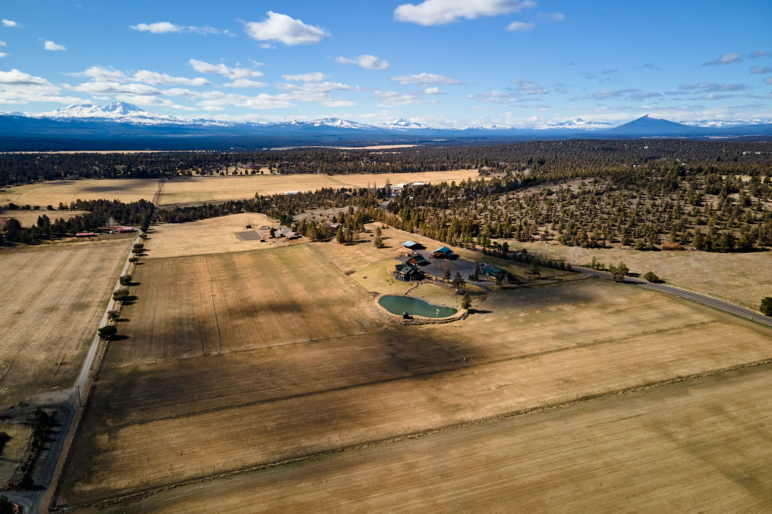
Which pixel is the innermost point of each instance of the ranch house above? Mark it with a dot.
(494, 272)
(442, 252)
(407, 272)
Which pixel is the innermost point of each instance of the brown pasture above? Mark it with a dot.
(208, 189)
(66, 191)
(697, 446)
(52, 302)
(164, 412)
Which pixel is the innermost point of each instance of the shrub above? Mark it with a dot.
(766, 306)
(651, 277)
(107, 331)
(125, 280)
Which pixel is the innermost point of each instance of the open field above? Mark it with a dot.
(57, 297)
(190, 306)
(740, 278)
(158, 420)
(12, 448)
(213, 235)
(695, 446)
(208, 189)
(66, 191)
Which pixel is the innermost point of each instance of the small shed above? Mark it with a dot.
(417, 260)
(442, 252)
(292, 235)
(410, 244)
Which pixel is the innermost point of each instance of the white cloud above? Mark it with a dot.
(644, 95)
(2, 54)
(526, 87)
(434, 91)
(155, 78)
(759, 53)
(306, 77)
(555, 16)
(113, 88)
(725, 59)
(760, 71)
(50, 45)
(2, 43)
(225, 71)
(500, 97)
(164, 27)
(280, 27)
(369, 62)
(181, 92)
(711, 96)
(245, 83)
(605, 95)
(768, 81)
(425, 79)
(319, 92)
(9, 23)
(152, 101)
(101, 74)
(440, 12)
(217, 100)
(714, 88)
(394, 98)
(17, 87)
(519, 26)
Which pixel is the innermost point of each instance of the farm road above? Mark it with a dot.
(67, 401)
(689, 295)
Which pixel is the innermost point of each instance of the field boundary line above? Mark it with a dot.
(144, 493)
(371, 383)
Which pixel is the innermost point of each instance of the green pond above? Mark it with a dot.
(415, 307)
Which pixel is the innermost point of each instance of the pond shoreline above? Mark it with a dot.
(397, 319)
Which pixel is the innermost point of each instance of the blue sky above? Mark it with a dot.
(438, 62)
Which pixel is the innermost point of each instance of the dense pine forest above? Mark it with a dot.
(647, 195)
(557, 158)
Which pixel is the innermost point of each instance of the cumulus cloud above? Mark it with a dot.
(426, 79)
(555, 16)
(217, 100)
(369, 62)
(760, 71)
(155, 78)
(225, 71)
(245, 83)
(709, 87)
(2, 55)
(17, 87)
(10, 23)
(393, 98)
(101, 73)
(282, 28)
(711, 96)
(114, 88)
(759, 53)
(441, 12)
(434, 91)
(2, 43)
(50, 45)
(768, 81)
(725, 59)
(306, 77)
(519, 26)
(605, 95)
(649, 66)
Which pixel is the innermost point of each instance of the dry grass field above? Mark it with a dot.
(695, 446)
(52, 302)
(213, 235)
(29, 218)
(740, 278)
(66, 191)
(166, 412)
(208, 189)
(12, 448)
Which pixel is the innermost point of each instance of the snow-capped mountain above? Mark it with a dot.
(580, 124)
(402, 123)
(335, 122)
(121, 112)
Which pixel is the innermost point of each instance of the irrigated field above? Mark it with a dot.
(52, 302)
(165, 412)
(208, 189)
(66, 191)
(695, 446)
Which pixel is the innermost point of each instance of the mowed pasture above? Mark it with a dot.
(695, 446)
(52, 302)
(191, 306)
(241, 187)
(157, 419)
(66, 191)
(213, 235)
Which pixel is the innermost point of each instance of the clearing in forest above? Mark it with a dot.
(66, 191)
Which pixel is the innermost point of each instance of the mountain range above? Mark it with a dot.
(121, 125)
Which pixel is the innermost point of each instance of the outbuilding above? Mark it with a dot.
(411, 245)
(442, 252)
(417, 260)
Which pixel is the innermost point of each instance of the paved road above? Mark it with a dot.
(689, 295)
(67, 401)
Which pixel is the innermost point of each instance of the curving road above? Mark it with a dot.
(689, 295)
